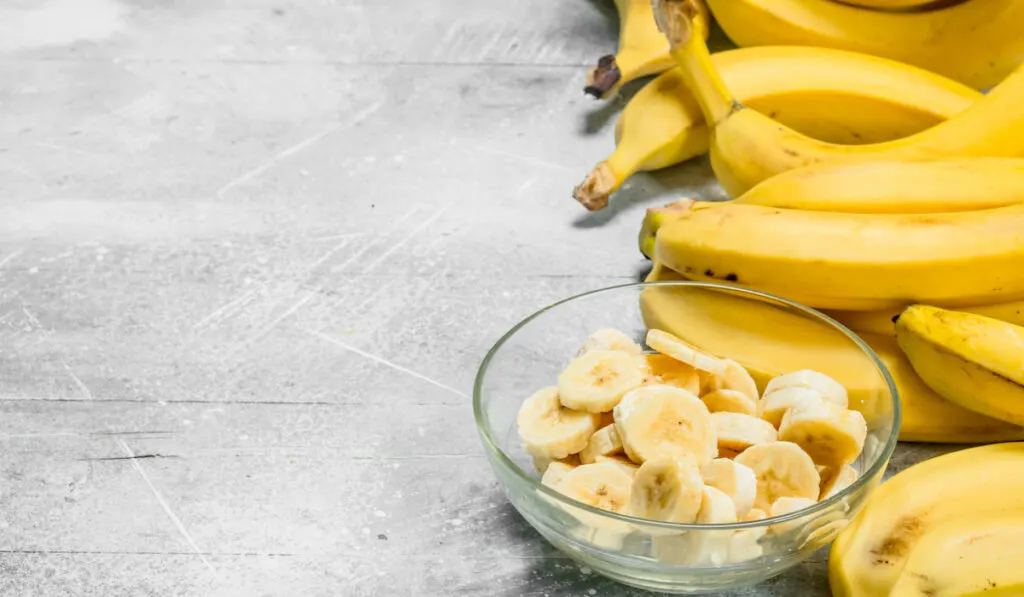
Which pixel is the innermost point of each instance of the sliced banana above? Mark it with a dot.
(744, 545)
(832, 390)
(680, 350)
(787, 505)
(604, 485)
(596, 381)
(774, 406)
(550, 430)
(713, 546)
(620, 461)
(730, 401)
(834, 480)
(735, 480)
(667, 489)
(669, 371)
(738, 432)
(541, 463)
(755, 514)
(716, 507)
(661, 420)
(783, 469)
(555, 472)
(735, 378)
(604, 442)
(830, 434)
(610, 339)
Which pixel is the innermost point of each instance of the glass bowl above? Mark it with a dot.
(766, 334)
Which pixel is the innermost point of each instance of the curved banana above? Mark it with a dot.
(831, 95)
(851, 261)
(895, 187)
(642, 50)
(977, 42)
(868, 557)
(968, 359)
(892, 5)
(748, 147)
(770, 341)
(883, 322)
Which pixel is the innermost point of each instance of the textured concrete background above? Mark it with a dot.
(251, 253)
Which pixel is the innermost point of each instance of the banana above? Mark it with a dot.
(836, 479)
(783, 469)
(894, 187)
(596, 381)
(830, 95)
(610, 339)
(550, 430)
(684, 352)
(928, 417)
(934, 39)
(748, 147)
(667, 489)
(620, 461)
(971, 360)
(868, 557)
(704, 547)
(831, 435)
(775, 405)
(541, 463)
(734, 480)
(665, 421)
(830, 389)
(883, 261)
(736, 378)
(666, 370)
(604, 442)
(893, 5)
(737, 432)
(555, 472)
(788, 505)
(970, 556)
(642, 49)
(882, 322)
(729, 401)
(601, 485)
(755, 514)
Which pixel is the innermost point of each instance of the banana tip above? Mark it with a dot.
(595, 189)
(603, 78)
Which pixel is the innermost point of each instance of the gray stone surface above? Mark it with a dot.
(251, 254)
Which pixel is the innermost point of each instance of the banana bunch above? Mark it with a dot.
(929, 531)
(680, 435)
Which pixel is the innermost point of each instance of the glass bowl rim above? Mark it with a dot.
(876, 467)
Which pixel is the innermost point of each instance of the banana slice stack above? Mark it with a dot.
(683, 436)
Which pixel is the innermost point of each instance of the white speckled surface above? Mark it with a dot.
(251, 253)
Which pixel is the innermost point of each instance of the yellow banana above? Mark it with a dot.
(882, 322)
(851, 261)
(895, 187)
(831, 95)
(869, 556)
(977, 42)
(968, 359)
(769, 341)
(642, 50)
(748, 147)
(893, 5)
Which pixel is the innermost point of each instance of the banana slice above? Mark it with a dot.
(610, 339)
(667, 489)
(755, 514)
(831, 435)
(733, 479)
(744, 545)
(832, 390)
(660, 420)
(669, 371)
(596, 381)
(738, 432)
(704, 547)
(604, 442)
(774, 406)
(550, 430)
(730, 401)
(716, 507)
(620, 461)
(555, 472)
(834, 480)
(735, 378)
(603, 485)
(679, 350)
(541, 463)
(783, 470)
(786, 505)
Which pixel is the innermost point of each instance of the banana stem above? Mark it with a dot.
(680, 21)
